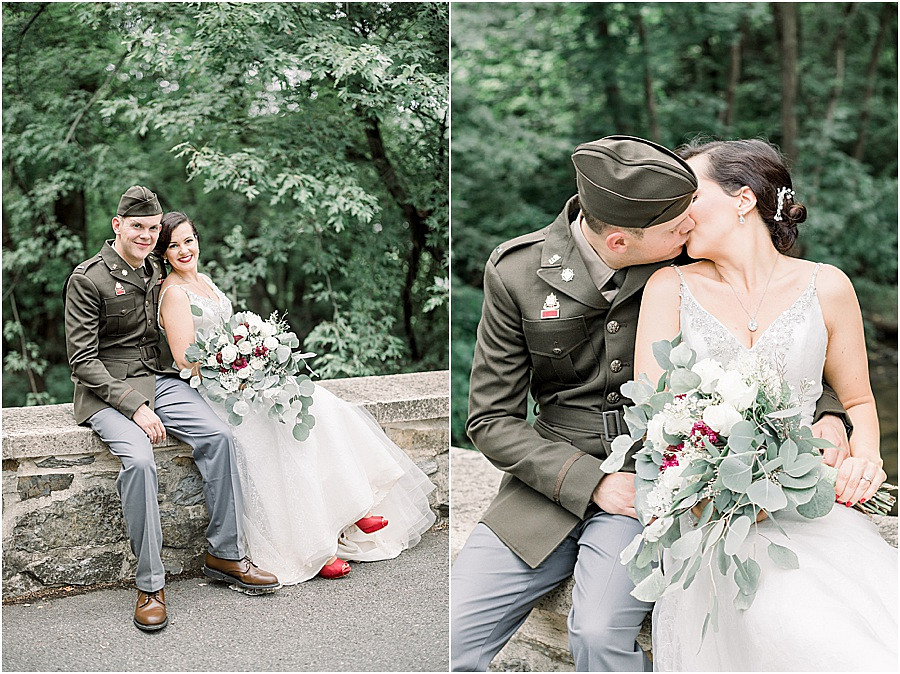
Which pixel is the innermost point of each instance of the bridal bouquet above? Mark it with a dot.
(249, 364)
(719, 448)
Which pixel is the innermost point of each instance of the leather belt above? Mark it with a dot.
(612, 421)
(129, 353)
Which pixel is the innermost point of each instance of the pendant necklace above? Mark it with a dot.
(752, 325)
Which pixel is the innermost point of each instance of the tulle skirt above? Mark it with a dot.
(837, 612)
(301, 499)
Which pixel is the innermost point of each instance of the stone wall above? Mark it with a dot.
(542, 643)
(62, 517)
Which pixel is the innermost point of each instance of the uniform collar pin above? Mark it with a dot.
(567, 274)
(554, 259)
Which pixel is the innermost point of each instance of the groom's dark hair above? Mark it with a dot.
(602, 228)
(169, 222)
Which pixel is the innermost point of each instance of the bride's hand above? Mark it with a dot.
(852, 486)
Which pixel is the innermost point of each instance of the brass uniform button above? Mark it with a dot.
(616, 365)
(613, 398)
(612, 327)
(557, 351)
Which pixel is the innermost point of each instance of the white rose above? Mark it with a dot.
(721, 418)
(267, 330)
(222, 341)
(255, 322)
(212, 362)
(709, 371)
(679, 426)
(229, 353)
(655, 431)
(245, 347)
(681, 355)
(241, 331)
(735, 391)
(270, 343)
(257, 363)
(244, 372)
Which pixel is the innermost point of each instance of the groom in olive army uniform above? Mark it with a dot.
(127, 390)
(560, 316)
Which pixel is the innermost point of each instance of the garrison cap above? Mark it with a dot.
(632, 182)
(138, 201)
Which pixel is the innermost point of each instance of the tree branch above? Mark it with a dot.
(94, 98)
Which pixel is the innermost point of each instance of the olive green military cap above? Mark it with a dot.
(138, 201)
(632, 182)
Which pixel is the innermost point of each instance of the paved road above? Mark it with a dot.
(384, 616)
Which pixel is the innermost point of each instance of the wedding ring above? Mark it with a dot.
(866, 478)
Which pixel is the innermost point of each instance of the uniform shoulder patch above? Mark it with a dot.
(519, 242)
(84, 266)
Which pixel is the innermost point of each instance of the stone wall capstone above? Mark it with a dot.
(62, 516)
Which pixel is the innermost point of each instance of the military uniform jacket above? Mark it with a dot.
(113, 343)
(574, 359)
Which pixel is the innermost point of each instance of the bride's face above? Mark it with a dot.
(183, 250)
(714, 211)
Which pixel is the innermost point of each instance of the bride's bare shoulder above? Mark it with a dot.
(835, 289)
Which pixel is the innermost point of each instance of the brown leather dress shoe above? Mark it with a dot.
(242, 572)
(150, 612)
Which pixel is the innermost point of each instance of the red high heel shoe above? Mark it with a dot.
(372, 523)
(337, 569)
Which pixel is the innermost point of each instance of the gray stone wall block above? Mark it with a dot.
(53, 462)
(32, 486)
(88, 568)
(93, 516)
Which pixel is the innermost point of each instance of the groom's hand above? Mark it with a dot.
(831, 428)
(615, 494)
(150, 423)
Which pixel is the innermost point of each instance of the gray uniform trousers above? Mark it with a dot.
(492, 592)
(188, 417)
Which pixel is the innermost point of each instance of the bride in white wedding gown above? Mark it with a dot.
(304, 503)
(838, 611)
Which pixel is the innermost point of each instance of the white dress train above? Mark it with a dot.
(301, 499)
(838, 611)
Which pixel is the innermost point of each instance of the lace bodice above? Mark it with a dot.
(215, 311)
(794, 343)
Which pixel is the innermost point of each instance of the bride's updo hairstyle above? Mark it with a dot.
(733, 164)
(169, 222)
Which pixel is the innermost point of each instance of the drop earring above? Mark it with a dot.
(741, 217)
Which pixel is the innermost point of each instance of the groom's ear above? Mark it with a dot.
(116, 223)
(616, 241)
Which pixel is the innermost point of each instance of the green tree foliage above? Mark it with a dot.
(531, 81)
(308, 142)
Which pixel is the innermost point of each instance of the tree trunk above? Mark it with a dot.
(69, 211)
(734, 75)
(886, 19)
(417, 219)
(614, 104)
(785, 15)
(649, 97)
(840, 53)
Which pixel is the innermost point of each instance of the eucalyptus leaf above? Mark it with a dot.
(307, 387)
(235, 419)
(638, 391)
(735, 474)
(687, 545)
(648, 553)
(803, 465)
(737, 533)
(637, 573)
(805, 482)
(651, 588)
(661, 351)
(783, 557)
(692, 572)
(767, 495)
(821, 502)
(798, 497)
(743, 601)
(196, 311)
(788, 452)
(723, 560)
(683, 381)
(630, 550)
(636, 419)
(300, 432)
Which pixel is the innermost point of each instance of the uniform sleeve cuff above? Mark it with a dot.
(130, 403)
(579, 483)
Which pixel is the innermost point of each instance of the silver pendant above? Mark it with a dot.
(752, 325)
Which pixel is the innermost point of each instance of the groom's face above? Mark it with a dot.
(136, 237)
(663, 241)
